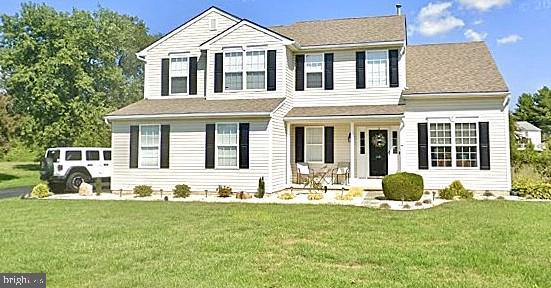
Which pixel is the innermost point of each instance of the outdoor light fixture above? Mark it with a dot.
(120, 193)
(161, 193)
(206, 193)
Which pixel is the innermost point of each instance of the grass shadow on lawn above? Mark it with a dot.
(7, 177)
(27, 167)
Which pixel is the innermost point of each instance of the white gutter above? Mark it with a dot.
(382, 116)
(187, 115)
(352, 45)
(451, 95)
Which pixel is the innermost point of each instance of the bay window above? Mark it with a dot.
(445, 138)
(150, 141)
(314, 144)
(256, 69)
(226, 144)
(179, 71)
(314, 70)
(233, 70)
(377, 69)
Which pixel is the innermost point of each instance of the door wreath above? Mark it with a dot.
(378, 140)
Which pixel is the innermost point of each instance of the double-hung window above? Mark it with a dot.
(314, 70)
(226, 144)
(179, 71)
(440, 144)
(377, 69)
(256, 69)
(466, 145)
(314, 144)
(233, 70)
(150, 141)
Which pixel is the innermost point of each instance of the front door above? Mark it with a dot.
(378, 153)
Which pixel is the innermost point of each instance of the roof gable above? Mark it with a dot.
(249, 24)
(187, 24)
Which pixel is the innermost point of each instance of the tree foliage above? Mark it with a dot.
(66, 70)
(536, 109)
(8, 124)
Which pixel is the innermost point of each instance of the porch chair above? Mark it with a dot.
(343, 169)
(302, 170)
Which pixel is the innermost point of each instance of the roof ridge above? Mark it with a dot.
(336, 19)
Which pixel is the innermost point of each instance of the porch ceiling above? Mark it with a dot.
(346, 111)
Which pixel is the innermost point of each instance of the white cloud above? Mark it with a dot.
(475, 36)
(513, 38)
(478, 22)
(436, 18)
(483, 5)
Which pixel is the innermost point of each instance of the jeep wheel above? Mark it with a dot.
(75, 179)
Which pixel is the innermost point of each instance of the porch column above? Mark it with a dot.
(352, 152)
(289, 178)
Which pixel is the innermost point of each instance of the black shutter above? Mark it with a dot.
(299, 144)
(193, 76)
(134, 138)
(393, 68)
(484, 145)
(423, 147)
(328, 57)
(165, 66)
(218, 72)
(360, 70)
(299, 73)
(165, 145)
(209, 146)
(328, 147)
(244, 145)
(271, 70)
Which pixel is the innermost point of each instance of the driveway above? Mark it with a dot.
(14, 192)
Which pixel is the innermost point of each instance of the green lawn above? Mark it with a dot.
(19, 174)
(169, 244)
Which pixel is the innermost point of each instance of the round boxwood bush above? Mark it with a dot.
(143, 190)
(40, 191)
(181, 191)
(403, 186)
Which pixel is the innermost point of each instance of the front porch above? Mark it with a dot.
(345, 151)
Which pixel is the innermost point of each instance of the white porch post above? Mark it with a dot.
(352, 152)
(289, 178)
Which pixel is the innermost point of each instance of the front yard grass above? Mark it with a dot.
(19, 174)
(168, 244)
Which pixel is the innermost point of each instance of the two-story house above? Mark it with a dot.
(228, 101)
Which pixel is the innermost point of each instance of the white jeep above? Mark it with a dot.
(65, 168)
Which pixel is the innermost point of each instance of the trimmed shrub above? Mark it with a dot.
(427, 201)
(455, 189)
(261, 188)
(403, 186)
(315, 196)
(242, 195)
(500, 198)
(344, 197)
(418, 203)
(224, 191)
(487, 194)
(384, 206)
(356, 191)
(143, 190)
(286, 196)
(531, 189)
(99, 186)
(40, 191)
(181, 191)
(406, 206)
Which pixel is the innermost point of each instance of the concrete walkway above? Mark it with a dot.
(14, 192)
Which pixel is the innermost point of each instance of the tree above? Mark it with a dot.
(8, 124)
(65, 71)
(536, 109)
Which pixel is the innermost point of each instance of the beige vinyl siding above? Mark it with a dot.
(498, 178)
(187, 159)
(279, 147)
(344, 86)
(187, 40)
(340, 143)
(247, 36)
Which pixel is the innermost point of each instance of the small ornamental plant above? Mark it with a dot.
(224, 191)
(40, 191)
(143, 190)
(181, 191)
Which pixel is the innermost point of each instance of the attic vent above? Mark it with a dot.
(213, 24)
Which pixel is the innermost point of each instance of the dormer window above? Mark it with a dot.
(179, 71)
(212, 24)
(314, 70)
(247, 72)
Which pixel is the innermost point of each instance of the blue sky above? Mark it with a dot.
(518, 32)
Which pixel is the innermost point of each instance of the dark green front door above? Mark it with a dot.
(378, 153)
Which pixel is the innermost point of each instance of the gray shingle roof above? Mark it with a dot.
(192, 106)
(361, 110)
(345, 31)
(452, 68)
(527, 126)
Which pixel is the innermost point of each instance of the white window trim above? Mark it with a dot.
(453, 145)
(322, 144)
(140, 147)
(172, 56)
(244, 70)
(216, 166)
(387, 69)
(322, 72)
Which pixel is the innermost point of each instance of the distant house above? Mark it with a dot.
(528, 133)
